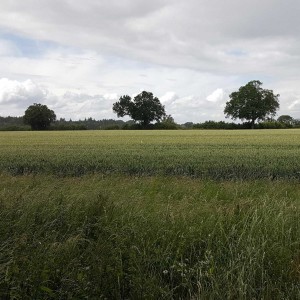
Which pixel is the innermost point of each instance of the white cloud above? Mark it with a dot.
(192, 108)
(80, 105)
(168, 98)
(16, 96)
(113, 97)
(15, 93)
(216, 96)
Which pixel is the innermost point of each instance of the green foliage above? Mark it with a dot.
(151, 238)
(271, 125)
(15, 128)
(112, 127)
(187, 125)
(12, 124)
(251, 103)
(286, 119)
(173, 235)
(135, 126)
(39, 116)
(11, 121)
(220, 125)
(246, 125)
(167, 123)
(143, 109)
(17, 123)
(68, 126)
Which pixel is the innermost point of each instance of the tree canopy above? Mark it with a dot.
(251, 102)
(39, 116)
(144, 108)
(286, 119)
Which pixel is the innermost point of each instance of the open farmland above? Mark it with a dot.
(272, 154)
(150, 215)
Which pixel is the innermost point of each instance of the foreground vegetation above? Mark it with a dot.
(150, 215)
(148, 238)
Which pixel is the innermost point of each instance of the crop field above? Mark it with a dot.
(216, 155)
(150, 215)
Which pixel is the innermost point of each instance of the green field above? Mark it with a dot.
(243, 154)
(150, 215)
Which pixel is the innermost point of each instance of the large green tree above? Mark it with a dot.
(251, 102)
(39, 116)
(144, 108)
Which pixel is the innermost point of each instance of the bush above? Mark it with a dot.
(15, 128)
(132, 127)
(112, 127)
(166, 126)
(66, 126)
(219, 125)
(272, 125)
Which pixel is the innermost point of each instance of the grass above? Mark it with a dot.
(120, 237)
(150, 215)
(217, 155)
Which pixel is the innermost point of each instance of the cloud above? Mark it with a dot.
(168, 98)
(216, 96)
(194, 108)
(81, 55)
(205, 35)
(80, 105)
(16, 96)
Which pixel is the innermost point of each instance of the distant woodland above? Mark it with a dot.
(17, 124)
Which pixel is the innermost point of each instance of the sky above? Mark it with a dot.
(78, 57)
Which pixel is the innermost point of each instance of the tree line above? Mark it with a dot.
(254, 106)
(17, 124)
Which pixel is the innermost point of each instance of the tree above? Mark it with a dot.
(167, 122)
(143, 109)
(188, 125)
(39, 116)
(286, 119)
(251, 102)
(168, 119)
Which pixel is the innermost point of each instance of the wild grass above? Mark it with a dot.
(217, 155)
(127, 237)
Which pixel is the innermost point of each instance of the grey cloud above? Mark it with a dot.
(195, 34)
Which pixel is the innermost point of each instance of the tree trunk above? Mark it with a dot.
(252, 123)
(145, 124)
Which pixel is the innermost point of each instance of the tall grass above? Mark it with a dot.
(99, 237)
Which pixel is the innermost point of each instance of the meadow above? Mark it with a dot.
(150, 215)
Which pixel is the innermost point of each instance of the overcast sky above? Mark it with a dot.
(78, 57)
